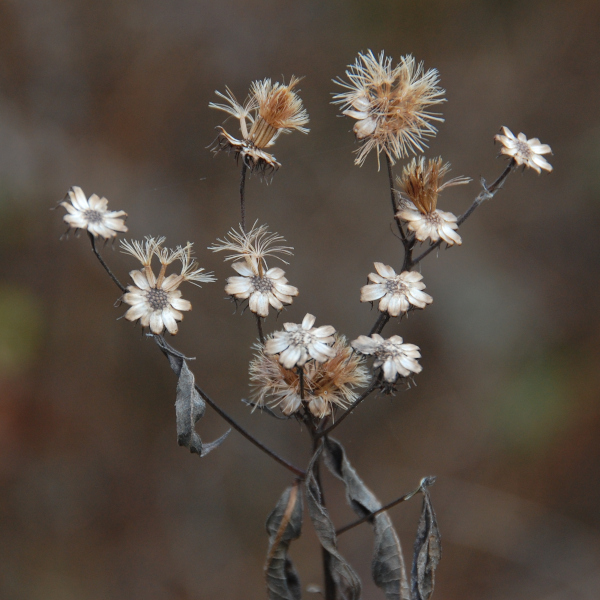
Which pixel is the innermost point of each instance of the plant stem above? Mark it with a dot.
(297, 471)
(487, 193)
(380, 323)
(243, 196)
(261, 336)
(106, 267)
(320, 434)
(407, 242)
(330, 587)
(300, 371)
(376, 512)
(168, 351)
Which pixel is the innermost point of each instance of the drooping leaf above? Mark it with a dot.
(284, 525)
(346, 580)
(189, 404)
(387, 568)
(428, 548)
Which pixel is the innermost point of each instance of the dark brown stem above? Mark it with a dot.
(487, 193)
(330, 587)
(300, 371)
(106, 267)
(297, 471)
(407, 242)
(329, 429)
(375, 513)
(380, 323)
(243, 196)
(261, 336)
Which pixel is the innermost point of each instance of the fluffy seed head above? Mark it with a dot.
(391, 104)
(326, 385)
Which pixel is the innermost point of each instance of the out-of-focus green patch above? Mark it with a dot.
(533, 407)
(20, 329)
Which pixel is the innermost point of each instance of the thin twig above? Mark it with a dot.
(300, 371)
(261, 336)
(329, 429)
(380, 323)
(487, 193)
(297, 471)
(106, 267)
(243, 196)
(407, 242)
(167, 350)
(376, 512)
(330, 592)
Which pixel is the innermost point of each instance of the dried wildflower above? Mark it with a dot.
(299, 343)
(397, 292)
(92, 214)
(421, 185)
(259, 284)
(391, 105)
(327, 384)
(156, 301)
(392, 355)
(270, 288)
(270, 110)
(523, 151)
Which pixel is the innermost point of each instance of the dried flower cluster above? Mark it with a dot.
(326, 385)
(391, 104)
(92, 214)
(156, 301)
(523, 151)
(257, 283)
(421, 185)
(269, 110)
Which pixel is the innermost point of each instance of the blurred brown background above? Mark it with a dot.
(97, 500)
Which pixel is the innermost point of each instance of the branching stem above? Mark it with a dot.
(486, 193)
(261, 336)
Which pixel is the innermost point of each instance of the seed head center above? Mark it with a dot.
(92, 216)
(523, 149)
(395, 286)
(262, 284)
(157, 298)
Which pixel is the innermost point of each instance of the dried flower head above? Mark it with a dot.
(299, 343)
(270, 110)
(391, 105)
(156, 301)
(421, 184)
(327, 384)
(258, 284)
(523, 151)
(397, 292)
(92, 214)
(395, 358)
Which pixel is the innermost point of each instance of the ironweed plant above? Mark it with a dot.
(312, 374)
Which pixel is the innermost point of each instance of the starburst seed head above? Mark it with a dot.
(523, 151)
(391, 104)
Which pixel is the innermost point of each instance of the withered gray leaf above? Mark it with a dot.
(189, 404)
(346, 580)
(428, 548)
(387, 568)
(284, 525)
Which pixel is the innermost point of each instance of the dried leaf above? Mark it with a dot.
(387, 568)
(428, 548)
(189, 405)
(346, 580)
(283, 526)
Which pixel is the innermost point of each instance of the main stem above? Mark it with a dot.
(330, 588)
(243, 196)
(408, 243)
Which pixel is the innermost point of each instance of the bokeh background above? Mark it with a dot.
(97, 500)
